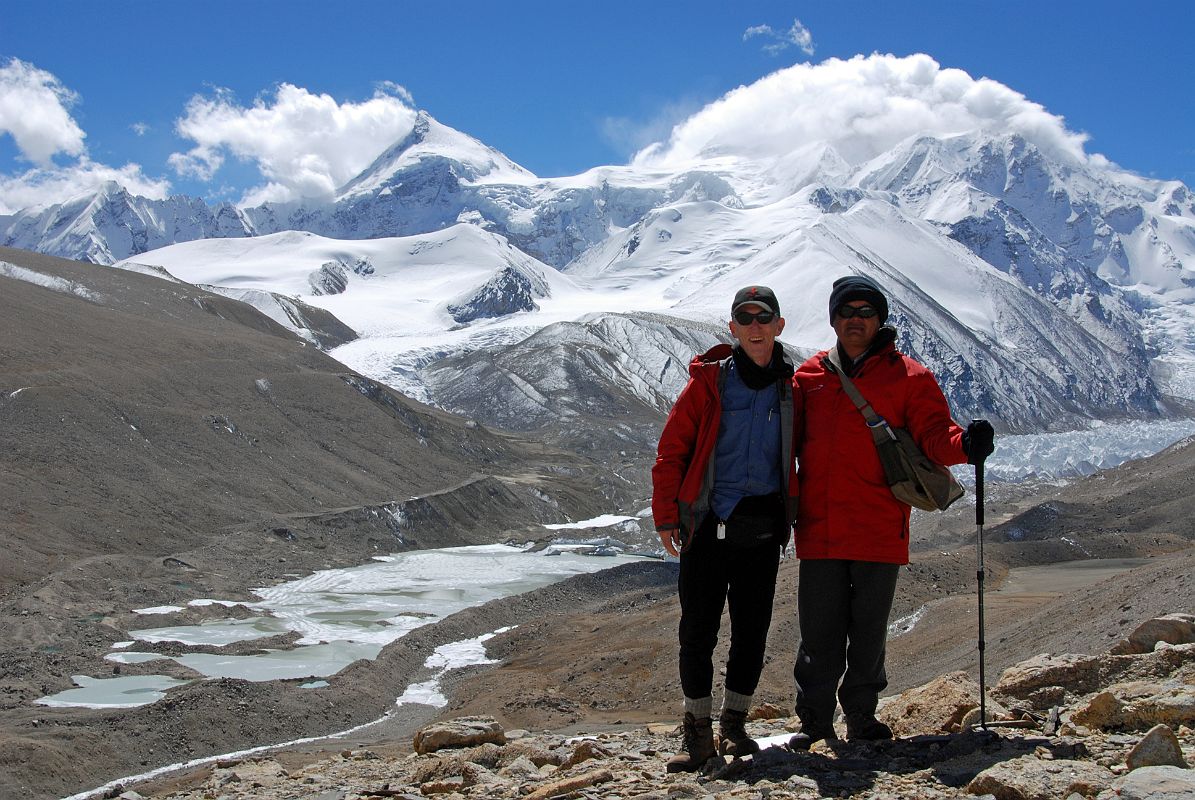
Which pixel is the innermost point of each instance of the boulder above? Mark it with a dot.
(1079, 674)
(1158, 748)
(767, 711)
(937, 707)
(1028, 778)
(1153, 783)
(1172, 629)
(1101, 711)
(585, 750)
(460, 732)
(1138, 705)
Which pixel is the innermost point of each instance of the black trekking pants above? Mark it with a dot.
(842, 609)
(711, 574)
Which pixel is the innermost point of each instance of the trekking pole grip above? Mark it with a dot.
(978, 486)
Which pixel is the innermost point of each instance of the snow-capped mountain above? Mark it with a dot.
(112, 224)
(1042, 290)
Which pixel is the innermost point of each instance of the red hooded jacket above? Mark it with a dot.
(683, 476)
(846, 509)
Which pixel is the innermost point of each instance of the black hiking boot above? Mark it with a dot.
(866, 727)
(699, 747)
(813, 730)
(732, 734)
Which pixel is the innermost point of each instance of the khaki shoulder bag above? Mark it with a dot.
(912, 477)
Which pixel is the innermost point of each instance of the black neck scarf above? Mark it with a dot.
(757, 377)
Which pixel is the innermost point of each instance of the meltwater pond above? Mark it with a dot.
(344, 615)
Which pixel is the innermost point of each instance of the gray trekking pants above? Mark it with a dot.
(842, 609)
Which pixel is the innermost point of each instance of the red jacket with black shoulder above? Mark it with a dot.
(846, 509)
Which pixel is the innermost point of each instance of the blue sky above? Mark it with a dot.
(557, 86)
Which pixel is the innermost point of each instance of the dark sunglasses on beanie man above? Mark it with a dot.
(858, 287)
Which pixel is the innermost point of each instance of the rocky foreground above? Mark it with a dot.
(1117, 725)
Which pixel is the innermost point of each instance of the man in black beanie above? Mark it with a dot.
(852, 534)
(858, 287)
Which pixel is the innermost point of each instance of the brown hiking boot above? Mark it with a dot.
(867, 727)
(698, 735)
(732, 734)
(813, 730)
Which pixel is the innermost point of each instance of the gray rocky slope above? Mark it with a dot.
(158, 441)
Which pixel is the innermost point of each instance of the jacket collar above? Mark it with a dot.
(884, 341)
(706, 365)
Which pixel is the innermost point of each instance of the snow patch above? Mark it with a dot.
(51, 282)
(906, 623)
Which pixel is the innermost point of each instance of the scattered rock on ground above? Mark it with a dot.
(472, 757)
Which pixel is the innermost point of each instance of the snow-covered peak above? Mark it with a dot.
(1038, 281)
(430, 139)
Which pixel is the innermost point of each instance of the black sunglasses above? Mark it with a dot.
(863, 312)
(745, 318)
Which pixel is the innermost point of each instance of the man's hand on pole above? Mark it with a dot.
(979, 440)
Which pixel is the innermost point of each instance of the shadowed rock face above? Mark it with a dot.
(508, 291)
(330, 278)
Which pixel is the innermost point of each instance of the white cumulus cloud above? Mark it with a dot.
(34, 110)
(303, 144)
(776, 42)
(861, 107)
(41, 187)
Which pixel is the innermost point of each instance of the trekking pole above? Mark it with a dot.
(979, 574)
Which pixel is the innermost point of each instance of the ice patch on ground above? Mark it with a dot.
(603, 521)
(906, 623)
(446, 657)
(48, 281)
(453, 655)
(125, 692)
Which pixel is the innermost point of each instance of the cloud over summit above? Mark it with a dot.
(303, 144)
(861, 107)
(35, 111)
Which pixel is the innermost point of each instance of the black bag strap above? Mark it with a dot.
(881, 431)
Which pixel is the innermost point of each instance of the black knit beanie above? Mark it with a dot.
(857, 287)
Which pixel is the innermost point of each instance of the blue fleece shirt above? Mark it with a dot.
(747, 455)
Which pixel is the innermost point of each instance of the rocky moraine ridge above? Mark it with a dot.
(1061, 727)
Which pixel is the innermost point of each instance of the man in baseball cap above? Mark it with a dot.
(761, 296)
(723, 501)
